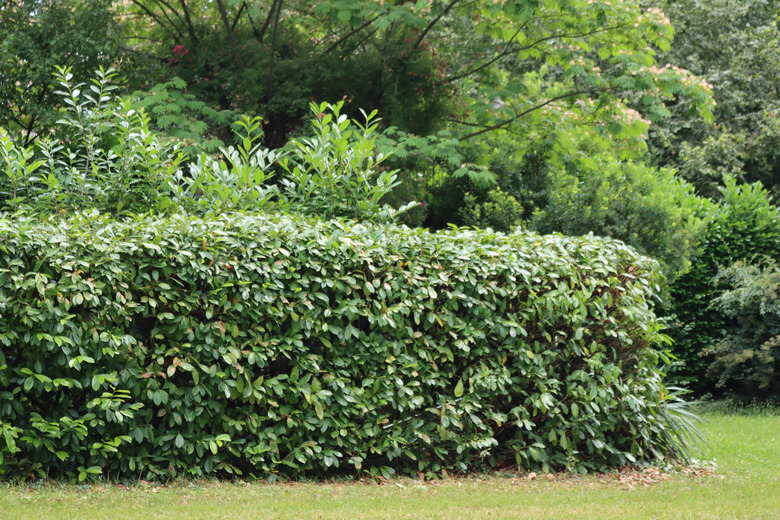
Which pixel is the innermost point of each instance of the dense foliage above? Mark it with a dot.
(649, 209)
(418, 63)
(735, 46)
(114, 163)
(747, 360)
(36, 36)
(744, 226)
(138, 339)
(277, 346)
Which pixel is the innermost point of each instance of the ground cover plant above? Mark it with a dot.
(280, 346)
(741, 484)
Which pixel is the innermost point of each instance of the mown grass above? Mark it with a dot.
(744, 482)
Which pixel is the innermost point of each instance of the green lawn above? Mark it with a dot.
(744, 484)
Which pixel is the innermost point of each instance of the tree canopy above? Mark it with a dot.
(35, 37)
(480, 66)
(735, 46)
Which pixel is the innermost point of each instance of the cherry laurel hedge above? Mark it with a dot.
(281, 347)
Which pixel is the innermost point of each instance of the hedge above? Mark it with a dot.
(281, 347)
(742, 227)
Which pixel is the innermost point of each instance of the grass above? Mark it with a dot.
(744, 483)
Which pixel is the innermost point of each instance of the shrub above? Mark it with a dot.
(744, 225)
(108, 159)
(277, 346)
(176, 113)
(337, 173)
(105, 156)
(650, 209)
(501, 211)
(747, 360)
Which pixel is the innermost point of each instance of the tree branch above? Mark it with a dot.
(165, 4)
(257, 34)
(31, 125)
(169, 6)
(341, 40)
(504, 123)
(229, 33)
(188, 21)
(21, 126)
(276, 4)
(238, 15)
(568, 36)
(509, 47)
(272, 50)
(28, 132)
(488, 63)
(159, 22)
(430, 26)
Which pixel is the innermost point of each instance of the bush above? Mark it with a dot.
(500, 211)
(337, 173)
(743, 226)
(747, 360)
(647, 208)
(107, 158)
(277, 346)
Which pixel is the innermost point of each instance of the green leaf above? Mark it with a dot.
(459, 388)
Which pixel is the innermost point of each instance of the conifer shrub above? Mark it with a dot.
(284, 347)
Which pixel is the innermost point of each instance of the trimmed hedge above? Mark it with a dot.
(276, 346)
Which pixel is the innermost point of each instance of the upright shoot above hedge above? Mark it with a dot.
(104, 157)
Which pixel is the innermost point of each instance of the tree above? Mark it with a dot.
(505, 60)
(735, 46)
(272, 58)
(568, 86)
(743, 226)
(36, 36)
